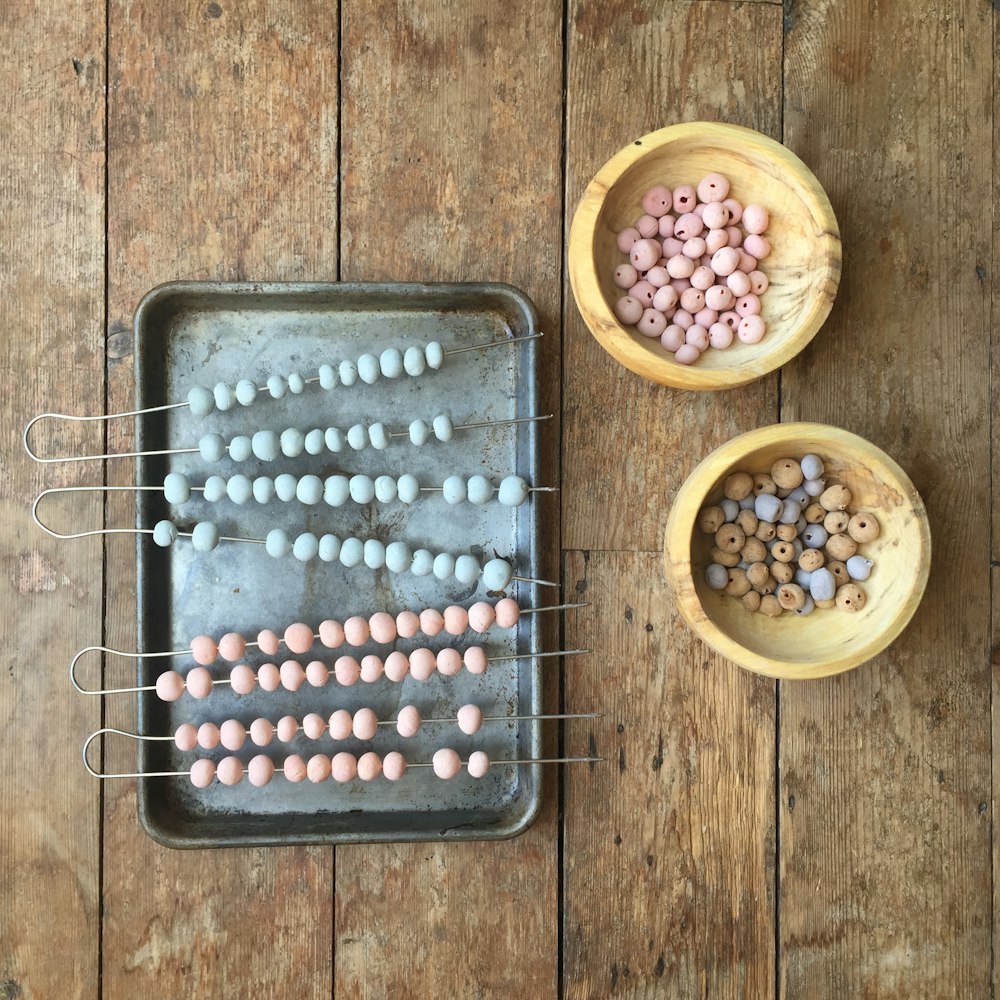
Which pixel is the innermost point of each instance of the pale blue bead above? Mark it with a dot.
(348, 372)
(801, 524)
(798, 547)
(743, 565)
(327, 377)
(799, 495)
(815, 536)
(285, 486)
(225, 396)
(277, 543)
(246, 392)
(215, 489)
(309, 490)
(357, 437)
(165, 533)
(212, 447)
(390, 361)
(293, 442)
(497, 574)
(201, 401)
(808, 608)
(790, 512)
(352, 552)
(408, 488)
(444, 565)
(730, 508)
(374, 554)
(454, 490)
(716, 576)
(747, 502)
(315, 442)
(265, 445)
(423, 563)
(812, 466)
(335, 440)
(239, 488)
(362, 489)
(336, 490)
(398, 557)
(385, 489)
(414, 362)
(480, 490)
(859, 568)
(277, 386)
(767, 507)
(240, 448)
(467, 570)
(822, 584)
(368, 370)
(802, 577)
(378, 436)
(263, 489)
(434, 353)
(296, 384)
(419, 432)
(329, 548)
(176, 488)
(204, 537)
(513, 491)
(306, 547)
(444, 429)
(814, 487)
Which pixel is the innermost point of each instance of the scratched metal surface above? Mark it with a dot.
(198, 333)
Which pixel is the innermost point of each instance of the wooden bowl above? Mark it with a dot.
(829, 640)
(803, 267)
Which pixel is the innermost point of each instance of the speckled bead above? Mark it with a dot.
(863, 527)
(850, 597)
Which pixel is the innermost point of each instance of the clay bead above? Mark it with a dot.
(783, 551)
(771, 606)
(672, 338)
(720, 336)
(850, 597)
(658, 277)
(666, 297)
(758, 282)
(814, 513)
(747, 520)
(862, 527)
(841, 547)
(627, 237)
(758, 574)
(685, 198)
(839, 571)
(648, 226)
(666, 226)
(791, 596)
(692, 300)
(831, 603)
(756, 219)
(715, 216)
(811, 559)
(738, 583)
(710, 519)
(625, 276)
(737, 486)
(835, 498)
(688, 226)
(757, 246)
(786, 473)
(786, 532)
(687, 354)
(651, 323)
(836, 521)
(716, 240)
(658, 201)
(751, 601)
(738, 283)
(725, 261)
(713, 188)
(730, 538)
(727, 559)
(753, 550)
(628, 310)
(763, 483)
(766, 531)
(751, 329)
(680, 266)
(694, 248)
(696, 336)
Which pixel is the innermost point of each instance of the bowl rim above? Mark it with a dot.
(680, 530)
(623, 345)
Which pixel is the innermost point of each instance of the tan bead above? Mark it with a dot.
(783, 551)
(850, 597)
(863, 527)
(748, 521)
(730, 538)
(841, 547)
(770, 606)
(791, 597)
(738, 583)
(765, 531)
(787, 532)
(710, 519)
(811, 559)
(782, 494)
(738, 486)
(763, 483)
(787, 473)
(758, 574)
(768, 586)
(835, 497)
(727, 559)
(782, 572)
(836, 521)
(751, 600)
(814, 513)
(839, 571)
(830, 603)
(754, 551)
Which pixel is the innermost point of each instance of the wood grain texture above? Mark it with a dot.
(629, 443)
(451, 167)
(669, 844)
(223, 165)
(51, 312)
(885, 853)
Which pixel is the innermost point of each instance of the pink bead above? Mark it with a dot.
(657, 201)
(731, 319)
(482, 615)
(382, 627)
(716, 240)
(371, 668)
(369, 766)
(318, 769)
(314, 725)
(232, 646)
(680, 267)
(408, 721)
(648, 226)
(716, 216)
(449, 662)
(687, 354)
(685, 198)
(356, 631)
(666, 298)
(233, 734)
(748, 305)
(186, 737)
(725, 261)
(479, 764)
(268, 642)
(508, 612)
(747, 263)
(294, 769)
(475, 660)
(470, 719)
(331, 633)
(408, 622)
(643, 291)
(347, 670)
(230, 771)
(644, 254)
(625, 276)
(702, 278)
(204, 649)
(287, 727)
(344, 767)
(672, 337)
(713, 188)
(261, 732)
(365, 724)
(658, 276)
(697, 336)
(672, 247)
(757, 246)
(720, 336)
(735, 236)
(423, 663)
(260, 770)
(735, 210)
(694, 248)
(393, 765)
(317, 673)
(751, 329)
(199, 683)
(341, 724)
(756, 219)
(202, 773)
(292, 675)
(666, 226)
(719, 298)
(705, 261)
(397, 666)
(208, 736)
(758, 282)
(446, 763)
(706, 317)
(628, 311)
(688, 226)
(169, 686)
(692, 300)
(738, 283)
(299, 638)
(242, 679)
(626, 238)
(431, 621)
(652, 323)
(683, 319)
(699, 210)
(268, 677)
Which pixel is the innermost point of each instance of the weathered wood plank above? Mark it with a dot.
(51, 357)
(451, 167)
(885, 851)
(223, 165)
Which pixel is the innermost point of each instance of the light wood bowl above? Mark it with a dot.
(803, 267)
(829, 640)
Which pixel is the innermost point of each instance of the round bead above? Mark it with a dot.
(352, 552)
(214, 489)
(348, 372)
(756, 219)
(315, 442)
(202, 773)
(336, 490)
(446, 763)
(317, 673)
(716, 216)
(204, 650)
(372, 668)
(467, 569)
(286, 729)
(419, 432)
(341, 724)
(268, 642)
(713, 188)
(344, 767)
(201, 401)
(265, 445)
(242, 679)
(328, 377)
(479, 764)
(407, 624)
(431, 621)
(232, 734)
(423, 663)
(470, 719)
(294, 769)
(863, 527)
(454, 490)
(211, 447)
(850, 597)
(369, 766)
(751, 329)
(365, 724)
(475, 660)
(331, 633)
(625, 276)
(293, 442)
(385, 489)
(423, 563)
(408, 488)
(481, 617)
(260, 770)
(444, 566)
(414, 362)
(208, 736)
(449, 662)
(292, 675)
(334, 439)
(444, 429)
(277, 543)
(186, 737)
(176, 488)
(263, 489)
(314, 725)
(268, 677)
(390, 362)
(378, 435)
(368, 369)
(627, 237)
(225, 396)
(362, 489)
(299, 638)
(456, 620)
(276, 386)
(164, 533)
(296, 384)
(716, 576)
(309, 490)
(261, 732)
(356, 630)
(651, 323)
(645, 253)
(859, 568)
(657, 201)
(398, 558)
(198, 683)
(393, 765)
(246, 392)
(239, 488)
(382, 627)
(822, 585)
(811, 466)
(204, 537)
(357, 437)
(508, 613)
(318, 768)
(497, 574)
(434, 353)
(720, 336)
(513, 491)
(397, 666)
(347, 670)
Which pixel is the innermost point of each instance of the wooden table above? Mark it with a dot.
(746, 838)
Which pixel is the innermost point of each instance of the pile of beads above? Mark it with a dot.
(693, 267)
(785, 541)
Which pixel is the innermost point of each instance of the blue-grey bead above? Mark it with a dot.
(164, 533)
(368, 370)
(246, 392)
(407, 488)
(513, 491)
(336, 490)
(423, 563)
(799, 495)
(225, 396)
(419, 432)
(309, 490)
(239, 488)
(444, 565)
(398, 557)
(357, 437)
(277, 386)
(767, 507)
(454, 490)
(434, 353)
(497, 574)
(285, 486)
(263, 489)
(328, 377)
(335, 440)
(730, 508)
(374, 554)
(352, 552)
(790, 512)
(802, 578)
(385, 489)
(201, 401)
(480, 490)
(348, 372)
(390, 362)
(797, 546)
(329, 548)
(296, 384)
(812, 466)
(176, 488)
(747, 502)
(814, 487)
(240, 448)
(716, 576)
(277, 543)
(306, 547)
(212, 447)
(801, 524)
(815, 536)
(414, 362)
(467, 570)
(204, 537)
(266, 445)
(859, 568)
(293, 442)
(822, 584)
(315, 442)
(444, 429)
(808, 608)
(362, 489)
(379, 436)
(214, 489)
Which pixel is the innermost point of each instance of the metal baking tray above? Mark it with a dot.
(201, 333)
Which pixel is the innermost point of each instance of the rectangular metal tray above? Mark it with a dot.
(201, 333)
